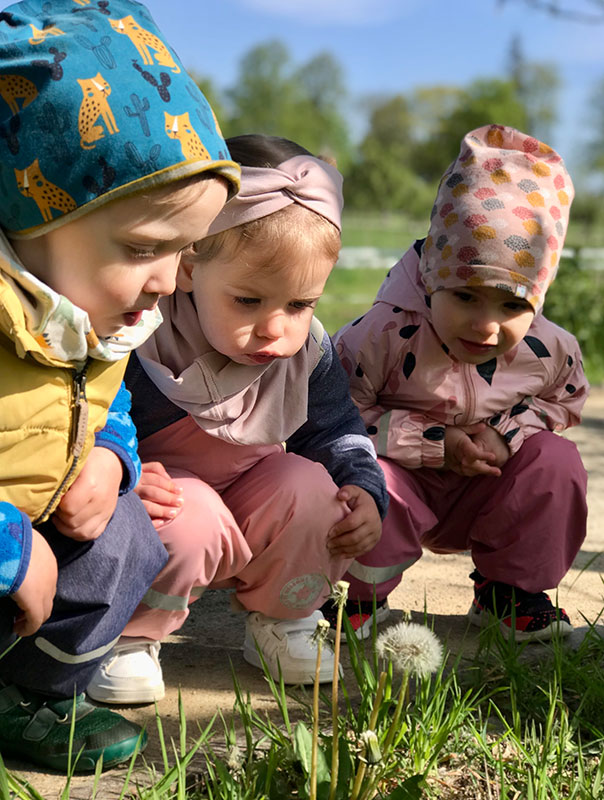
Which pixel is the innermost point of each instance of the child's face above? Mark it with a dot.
(117, 261)
(250, 313)
(479, 323)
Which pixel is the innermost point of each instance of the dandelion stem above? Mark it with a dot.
(335, 754)
(358, 778)
(397, 715)
(315, 721)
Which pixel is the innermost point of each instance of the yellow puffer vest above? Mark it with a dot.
(48, 413)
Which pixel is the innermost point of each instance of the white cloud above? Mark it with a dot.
(344, 12)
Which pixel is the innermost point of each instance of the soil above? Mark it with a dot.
(197, 660)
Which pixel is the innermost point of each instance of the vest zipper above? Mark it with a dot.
(77, 437)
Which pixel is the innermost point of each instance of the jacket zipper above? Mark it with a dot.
(79, 427)
(470, 393)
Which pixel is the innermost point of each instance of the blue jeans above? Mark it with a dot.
(100, 584)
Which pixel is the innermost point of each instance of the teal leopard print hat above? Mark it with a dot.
(94, 105)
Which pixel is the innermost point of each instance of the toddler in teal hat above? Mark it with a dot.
(111, 165)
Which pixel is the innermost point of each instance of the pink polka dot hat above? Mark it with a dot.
(500, 216)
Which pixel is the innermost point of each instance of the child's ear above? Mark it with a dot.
(184, 276)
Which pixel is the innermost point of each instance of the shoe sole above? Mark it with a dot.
(112, 756)
(364, 632)
(483, 619)
(303, 676)
(121, 697)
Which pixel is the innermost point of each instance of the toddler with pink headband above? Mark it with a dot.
(242, 405)
(463, 385)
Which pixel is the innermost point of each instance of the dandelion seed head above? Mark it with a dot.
(339, 593)
(320, 632)
(413, 649)
(234, 761)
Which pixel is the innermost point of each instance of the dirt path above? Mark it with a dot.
(196, 660)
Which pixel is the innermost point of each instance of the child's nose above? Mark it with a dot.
(163, 279)
(271, 327)
(485, 325)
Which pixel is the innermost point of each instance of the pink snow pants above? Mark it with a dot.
(254, 518)
(524, 528)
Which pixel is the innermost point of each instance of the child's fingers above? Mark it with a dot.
(157, 494)
(160, 513)
(350, 523)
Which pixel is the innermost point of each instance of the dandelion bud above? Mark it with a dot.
(371, 744)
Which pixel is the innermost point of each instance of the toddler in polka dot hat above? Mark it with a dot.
(500, 216)
(463, 385)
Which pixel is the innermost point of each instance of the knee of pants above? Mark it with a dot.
(307, 492)
(559, 457)
(282, 492)
(203, 528)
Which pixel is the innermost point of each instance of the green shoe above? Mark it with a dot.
(38, 729)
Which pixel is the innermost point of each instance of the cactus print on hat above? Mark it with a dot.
(87, 88)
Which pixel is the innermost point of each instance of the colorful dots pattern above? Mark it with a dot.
(500, 216)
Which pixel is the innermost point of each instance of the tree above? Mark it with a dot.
(265, 96)
(483, 102)
(382, 178)
(593, 160)
(587, 11)
(537, 85)
(271, 96)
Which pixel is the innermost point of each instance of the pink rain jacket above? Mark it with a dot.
(408, 388)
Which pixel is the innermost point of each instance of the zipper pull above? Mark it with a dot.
(80, 414)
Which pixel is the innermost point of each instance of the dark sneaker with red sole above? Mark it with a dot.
(533, 616)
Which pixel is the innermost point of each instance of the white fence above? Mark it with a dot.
(383, 258)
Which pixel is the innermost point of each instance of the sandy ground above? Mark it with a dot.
(196, 660)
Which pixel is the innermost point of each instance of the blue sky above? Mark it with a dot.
(389, 46)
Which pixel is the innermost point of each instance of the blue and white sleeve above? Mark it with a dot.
(15, 547)
(119, 436)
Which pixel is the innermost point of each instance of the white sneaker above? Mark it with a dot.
(130, 673)
(288, 643)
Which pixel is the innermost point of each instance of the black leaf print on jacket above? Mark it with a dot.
(408, 331)
(537, 346)
(487, 370)
(408, 365)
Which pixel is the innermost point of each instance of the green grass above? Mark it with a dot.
(381, 230)
(514, 722)
(348, 295)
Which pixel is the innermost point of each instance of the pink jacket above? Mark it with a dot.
(407, 387)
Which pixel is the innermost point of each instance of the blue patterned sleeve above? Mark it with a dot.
(119, 435)
(15, 547)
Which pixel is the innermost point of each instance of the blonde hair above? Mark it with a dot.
(293, 229)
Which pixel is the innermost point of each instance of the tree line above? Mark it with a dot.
(410, 136)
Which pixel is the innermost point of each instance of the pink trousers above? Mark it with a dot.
(524, 528)
(254, 518)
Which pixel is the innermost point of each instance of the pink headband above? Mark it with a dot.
(305, 180)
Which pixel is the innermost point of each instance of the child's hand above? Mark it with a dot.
(492, 442)
(360, 530)
(466, 457)
(160, 496)
(36, 593)
(89, 503)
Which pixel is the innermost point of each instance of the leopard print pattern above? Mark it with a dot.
(144, 41)
(94, 105)
(47, 195)
(179, 127)
(16, 87)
